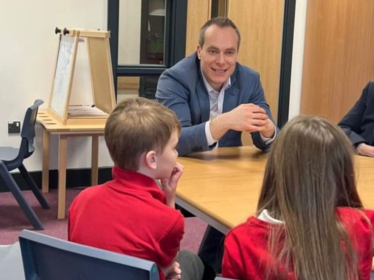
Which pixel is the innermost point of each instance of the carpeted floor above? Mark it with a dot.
(12, 219)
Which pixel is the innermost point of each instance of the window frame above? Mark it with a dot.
(175, 40)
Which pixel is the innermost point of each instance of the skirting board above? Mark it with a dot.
(74, 178)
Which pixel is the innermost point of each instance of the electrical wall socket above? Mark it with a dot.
(14, 127)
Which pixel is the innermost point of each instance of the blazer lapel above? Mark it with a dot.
(203, 98)
(231, 96)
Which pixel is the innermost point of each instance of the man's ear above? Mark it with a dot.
(198, 51)
(150, 160)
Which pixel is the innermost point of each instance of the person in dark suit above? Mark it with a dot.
(358, 123)
(216, 99)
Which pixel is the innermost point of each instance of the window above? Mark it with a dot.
(147, 37)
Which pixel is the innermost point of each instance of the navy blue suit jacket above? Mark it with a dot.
(181, 88)
(358, 124)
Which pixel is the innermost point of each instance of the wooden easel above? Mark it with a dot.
(100, 71)
(58, 121)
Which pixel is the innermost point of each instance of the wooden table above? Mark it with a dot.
(92, 128)
(222, 186)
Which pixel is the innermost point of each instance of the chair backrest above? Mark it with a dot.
(46, 257)
(11, 262)
(28, 129)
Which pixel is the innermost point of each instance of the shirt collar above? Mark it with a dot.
(209, 88)
(136, 182)
(265, 216)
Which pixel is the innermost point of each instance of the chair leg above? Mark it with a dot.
(12, 186)
(30, 182)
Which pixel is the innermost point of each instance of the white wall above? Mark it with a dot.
(129, 32)
(28, 51)
(297, 58)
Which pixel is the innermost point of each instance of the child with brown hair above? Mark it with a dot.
(131, 214)
(309, 222)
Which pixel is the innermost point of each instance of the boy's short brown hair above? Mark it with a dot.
(137, 126)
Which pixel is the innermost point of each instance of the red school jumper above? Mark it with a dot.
(127, 215)
(245, 256)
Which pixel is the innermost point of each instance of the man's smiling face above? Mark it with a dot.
(218, 55)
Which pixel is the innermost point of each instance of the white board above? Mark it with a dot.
(81, 90)
(60, 92)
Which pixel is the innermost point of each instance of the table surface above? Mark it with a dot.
(224, 184)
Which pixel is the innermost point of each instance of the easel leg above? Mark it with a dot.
(45, 169)
(61, 176)
(95, 160)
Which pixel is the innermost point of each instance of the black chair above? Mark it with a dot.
(12, 158)
(46, 257)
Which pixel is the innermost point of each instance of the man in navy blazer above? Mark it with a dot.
(191, 89)
(216, 99)
(358, 124)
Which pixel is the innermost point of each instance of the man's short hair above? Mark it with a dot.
(220, 22)
(137, 126)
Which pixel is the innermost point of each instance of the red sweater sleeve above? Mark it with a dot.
(370, 215)
(232, 263)
(170, 242)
